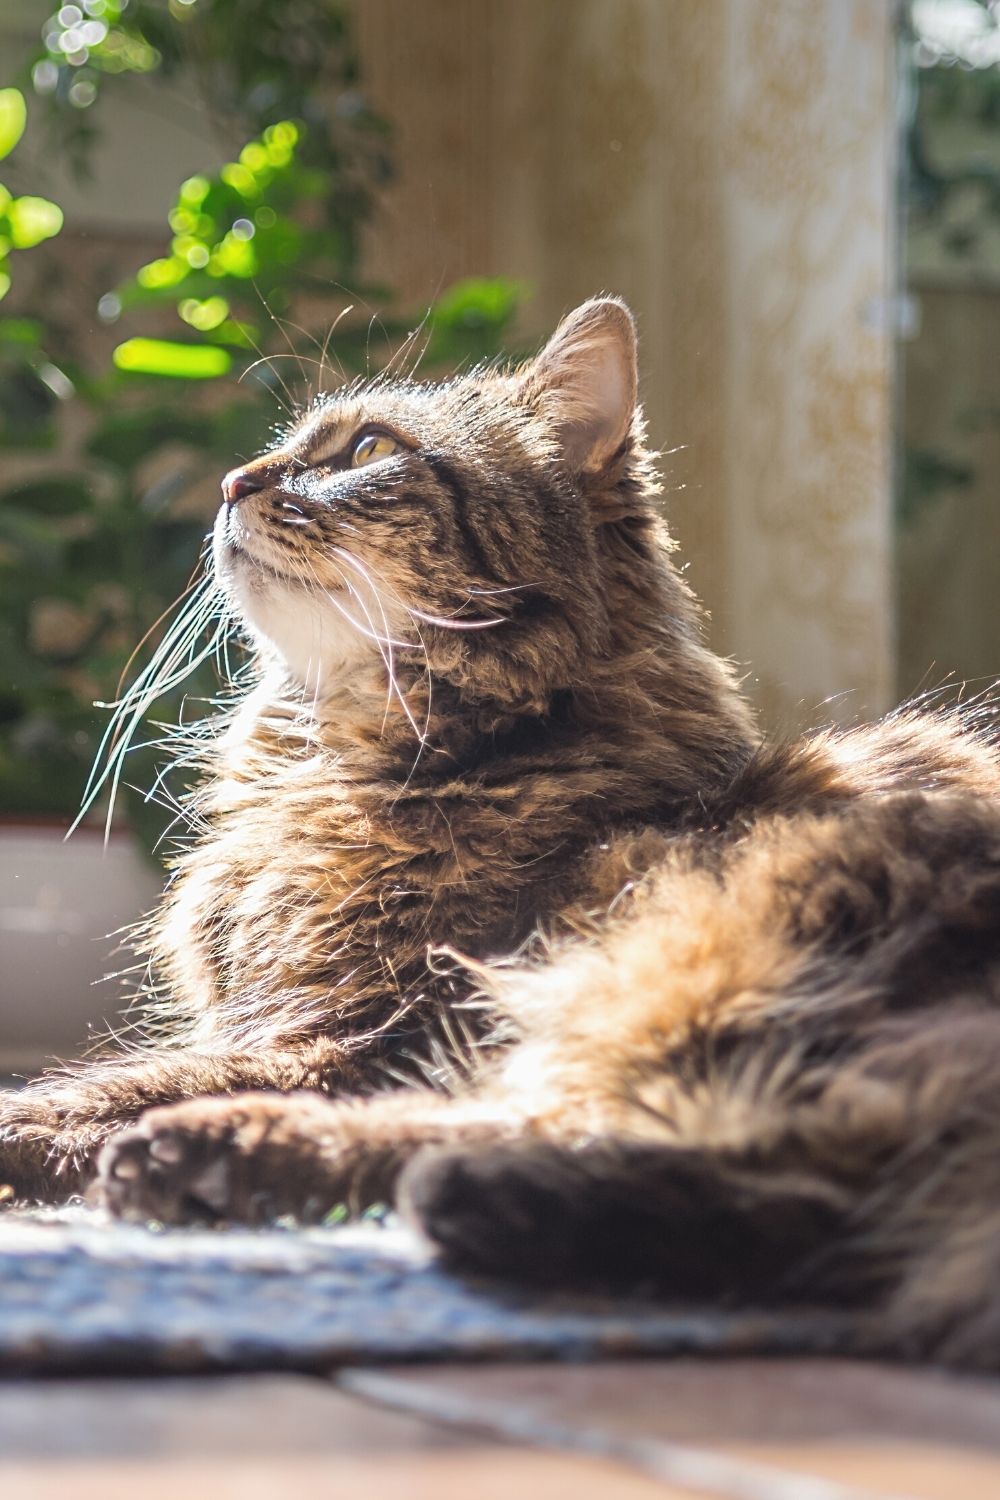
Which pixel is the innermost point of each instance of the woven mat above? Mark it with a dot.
(81, 1295)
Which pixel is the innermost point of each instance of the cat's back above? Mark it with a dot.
(951, 752)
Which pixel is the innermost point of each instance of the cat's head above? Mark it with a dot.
(467, 524)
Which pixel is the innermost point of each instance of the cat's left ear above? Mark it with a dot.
(585, 379)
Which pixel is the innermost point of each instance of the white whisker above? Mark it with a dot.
(444, 621)
(172, 662)
(421, 734)
(451, 624)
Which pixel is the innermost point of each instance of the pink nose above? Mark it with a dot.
(239, 483)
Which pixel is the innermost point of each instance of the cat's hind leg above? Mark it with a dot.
(868, 1181)
(630, 1216)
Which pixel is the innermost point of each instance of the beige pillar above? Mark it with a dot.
(810, 222)
(725, 165)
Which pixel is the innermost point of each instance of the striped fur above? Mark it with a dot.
(500, 905)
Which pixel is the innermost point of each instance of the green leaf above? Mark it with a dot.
(13, 116)
(479, 302)
(21, 331)
(32, 220)
(180, 361)
(165, 272)
(470, 321)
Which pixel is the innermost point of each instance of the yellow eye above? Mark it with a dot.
(371, 448)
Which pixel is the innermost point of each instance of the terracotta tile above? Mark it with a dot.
(739, 1428)
(481, 1473)
(265, 1438)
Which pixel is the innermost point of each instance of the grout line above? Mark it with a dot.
(672, 1463)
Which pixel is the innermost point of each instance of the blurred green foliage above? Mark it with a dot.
(951, 182)
(256, 281)
(27, 220)
(952, 156)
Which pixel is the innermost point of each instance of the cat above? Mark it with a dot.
(500, 907)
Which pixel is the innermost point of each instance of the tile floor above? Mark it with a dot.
(778, 1429)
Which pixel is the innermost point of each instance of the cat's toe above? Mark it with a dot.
(173, 1170)
(243, 1160)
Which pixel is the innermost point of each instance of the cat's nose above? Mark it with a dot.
(239, 483)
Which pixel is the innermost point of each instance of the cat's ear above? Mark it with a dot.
(586, 378)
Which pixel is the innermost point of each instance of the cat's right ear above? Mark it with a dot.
(585, 380)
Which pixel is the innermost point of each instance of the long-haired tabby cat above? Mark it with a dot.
(738, 1003)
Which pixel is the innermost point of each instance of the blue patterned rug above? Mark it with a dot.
(79, 1294)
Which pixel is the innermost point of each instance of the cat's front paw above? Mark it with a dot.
(247, 1159)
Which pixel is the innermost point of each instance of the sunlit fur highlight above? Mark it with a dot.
(495, 902)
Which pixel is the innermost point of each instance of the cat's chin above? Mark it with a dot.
(319, 635)
(243, 574)
(317, 644)
(239, 566)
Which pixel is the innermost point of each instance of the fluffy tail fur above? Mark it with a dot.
(881, 1193)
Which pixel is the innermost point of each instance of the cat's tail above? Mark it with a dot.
(881, 1201)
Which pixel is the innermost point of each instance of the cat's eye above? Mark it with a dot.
(372, 447)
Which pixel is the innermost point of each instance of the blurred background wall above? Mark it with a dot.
(729, 167)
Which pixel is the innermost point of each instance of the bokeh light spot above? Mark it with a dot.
(204, 315)
(178, 361)
(45, 76)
